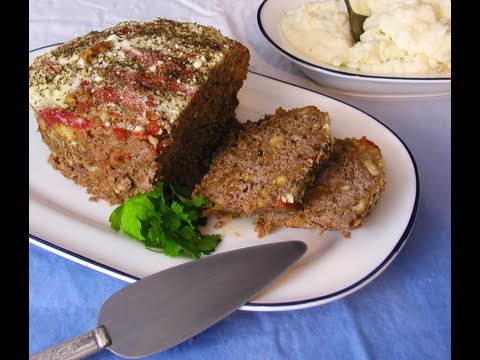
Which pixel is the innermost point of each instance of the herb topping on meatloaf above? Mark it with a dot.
(135, 103)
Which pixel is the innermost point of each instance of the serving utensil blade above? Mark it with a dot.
(169, 307)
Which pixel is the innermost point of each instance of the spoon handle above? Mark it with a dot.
(76, 348)
(356, 22)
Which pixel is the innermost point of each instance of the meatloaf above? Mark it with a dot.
(138, 102)
(346, 190)
(267, 165)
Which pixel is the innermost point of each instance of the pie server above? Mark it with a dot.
(169, 307)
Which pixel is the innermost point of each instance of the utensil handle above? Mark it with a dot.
(78, 347)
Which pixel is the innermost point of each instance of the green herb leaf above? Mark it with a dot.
(135, 212)
(208, 243)
(115, 217)
(166, 220)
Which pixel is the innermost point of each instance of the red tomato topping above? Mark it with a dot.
(63, 116)
(121, 134)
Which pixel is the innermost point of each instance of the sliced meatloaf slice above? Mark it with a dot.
(139, 102)
(346, 190)
(267, 165)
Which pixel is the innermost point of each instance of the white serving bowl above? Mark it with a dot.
(269, 18)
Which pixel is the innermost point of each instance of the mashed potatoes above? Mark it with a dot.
(401, 38)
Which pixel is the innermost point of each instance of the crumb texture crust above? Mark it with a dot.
(346, 190)
(267, 165)
(138, 102)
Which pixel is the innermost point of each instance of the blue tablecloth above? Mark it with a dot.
(405, 313)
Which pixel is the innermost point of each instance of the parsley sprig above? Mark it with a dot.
(166, 221)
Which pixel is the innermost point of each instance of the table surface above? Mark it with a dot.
(405, 313)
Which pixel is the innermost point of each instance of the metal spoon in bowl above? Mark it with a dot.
(356, 22)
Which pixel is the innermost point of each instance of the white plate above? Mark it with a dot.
(63, 221)
(269, 18)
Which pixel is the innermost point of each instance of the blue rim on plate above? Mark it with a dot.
(252, 306)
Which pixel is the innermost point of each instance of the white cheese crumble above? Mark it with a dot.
(89, 65)
(52, 94)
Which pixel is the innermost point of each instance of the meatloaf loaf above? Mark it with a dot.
(135, 103)
(266, 165)
(346, 189)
